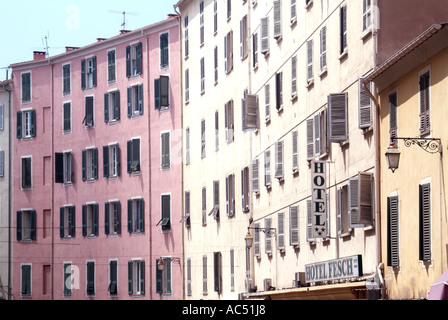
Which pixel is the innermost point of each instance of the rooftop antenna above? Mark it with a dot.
(45, 43)
(124, 13)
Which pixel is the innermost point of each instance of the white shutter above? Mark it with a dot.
(310, 139)
(309, 73)
(309, 222)
(365, 107)
(268, 236)
(267, 101)
(267, 168)
(281, 231)
(338, 117)
(279, 160)
(277, 20)
(293, 11)
(294, 76)
(323, 48)
(317, 135)
(294, 226)
(366, 196)
(265, 35)
(255, 176)
(257, 240)
(295, 153)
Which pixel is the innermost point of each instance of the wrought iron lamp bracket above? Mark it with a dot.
(430, 145)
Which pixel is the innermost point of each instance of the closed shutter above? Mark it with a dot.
(2, 163)
(393, 259)
(187, 208)
(142, 276)
(309, 139)
(255, 176)
(251, 112)
(165, 150)
(294, 76)
(279, 172)
(204, 206)
(365, 106)
(130, 213)
(89, 112)
(204, 274)
(139, 53)
(281, 231)
(94, 70)
(141, 215)
(96, 218)
(166, 212)
(366, 196)
(267, 99)
(294, 239)
(73, 221)
(140, 98)
(19, 226)
(84, 165)
(90, 278)
(323, 48)
(338, 117)
(189, 291)
(164, 50)
(425, 119)
(277, 19)
(267, 168)
(393, 117)
(339, 212)
(309, 73)
(128, 61)
(67, 116)
(95, 163)
(61, 222)
(317, 135)
(84, 220)
(203, 138)
(343, 28)
(217, 261)
(295, 152)
(309, 222)
(265, 35)
(425, 222)
(268, 237)
(33, 225)
(257, 251)
(131, 277)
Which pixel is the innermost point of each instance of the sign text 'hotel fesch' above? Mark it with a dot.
(343, 268)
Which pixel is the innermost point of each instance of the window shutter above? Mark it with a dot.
(228, 196)
(84, 165)
(118, 220)
(279, 90)
(365, 106)
(277, 19)
(106, 171)
(130, 228)
(83, 74)
(142, 277)
(338, 117)
(425, 119)
(61, 222)
(19, 226)
(323, 48)
(255, 49)
(267, 168)
(343, 28)
(59, 167)
(117, 105)
(393, 259)
(310, 76)
(279, 174)
(281, 231)
(294, 239)
(268, 237)
(129, 153)
(95, 163)
(131, 277)
(257, 240)
(73, 221)
(166, 150)
(309, 222)
(204, 206)
(217, 257)
(353, 203)
(216, 199)
(140, 98)
(203, 138)
(139, 58)
(366, 197)
(96, 219)
(19, 125)
(267, 99)
(67, 116)
(89, 111)
(294, 76)
(159, 278)
(310, 139)
(204, 274)
(293, 11)
(393, 116)
(33, 123)
(251, 114)
(187, 208)
(157, 94)
(265, 35)
(295, 152)
(255, 176)
(84, 220)
(164, 91)
(94, 71)
(166, 212)
(141, 217)
(106, 107)
(2, 117)
(129, 104)
(2, 163)
(339, 212)
(317, 135)
(164, 53)
(425, 222)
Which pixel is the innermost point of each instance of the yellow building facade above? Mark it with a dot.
(412, 95)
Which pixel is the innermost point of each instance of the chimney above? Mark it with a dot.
(39, 55)
(124, 31)
(70, 49)
(100, 39)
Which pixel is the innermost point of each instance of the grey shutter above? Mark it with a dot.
(203, 138)
(309, 222)
(279, 172)
(94, 71)
(164, 91)
(309, 72)
(268, 237)
(131, 277)
(33, 225)
(393, 258)
(19, 226)
(2, 163)
(96, 219)
(366, 197)
(317, 135)
(217, 259)
(323, 48)
(204, 274)
(118, 220)
(393, 116)
(267, 99)
(84, 165)
(19, 125)
(83, 74)
(281, 231)
(216, 199)
(140, 98)
(294, 76)
(166, 150)
(204, 206)
(84, 220)
(338, 117)
(107, 218)
(130, 207)
(106, 107)
(117, 105)
(294, 239)
(310, 139)
(157, 103)
(33, 123)
(265, 35)
(164, 52)
(425, 222)
(343, 28)
(61, 222)
(73, 221)
(255, 176)
(89, 111)
(128, 61)
(187, 208)
(139, 53)
(277, 19)
(279, 90)
(365, 106)
(251, 112)
(353, 203)
(339, 212)
(257, 251)
(267, 168)
(295, 152)
(129, 104)
(425, 119)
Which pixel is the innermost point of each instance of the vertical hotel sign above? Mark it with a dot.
(319, 199)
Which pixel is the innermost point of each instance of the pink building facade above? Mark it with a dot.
(97, 189)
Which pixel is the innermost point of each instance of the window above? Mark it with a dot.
(26, 225)
(162, 93)
(163, 277)
(164, 50)
(338, 117)
(112, 106)
(293, 12)
(217, 268)
(323, 48)
(136, 215)
(112, 217)
(202, 75)
(204, 206)
(393, 240)
(2, 117)
(187, 146)
(229, 122)
(67, 279)
(244, 38)
(294, 239)
(268, 236)
(90, 164)
(230, 195)
(90, 219)
(279, 91)
(425, 222)
(309, 72)
(360, 194)
(165, 150)
(267, 169)
(25, 278)
(245, 189)
(89, 119)
(309, 223)
(343, 29)
(255, 176)
(189, 290)
(317, 144)
(365, 106)
(136, 277)
(281, 231)
(187, 85)
(26, 87)
(26, 124)
(67, 222)
(187, 218)
(215, 16)
(113, 277)
(134, 60)
(111, 161)
(203, 138)
(257, 249)
(250, 111)
(204, 275)
(279, 171)
(27, 175)
(215, 210)
(229, 9)
(425, 114)
(165, 221)
(134, 155)
(64, 167)
(135, 100)
(267, 102)
(111, 66)
(88, 73)
(216, 64)
(186, 38)
(295, 152)
(66, 79)
(2, 164)
(366, 14)
(201, 17)
(393, 116)
(293, 77)
(265, 35)
(216, 130)
(277, 20)
(255, 50)
(228, 52)
(90, 289)
(67, 117)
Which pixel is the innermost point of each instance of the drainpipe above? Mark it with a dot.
(52, 184)
(9, 190)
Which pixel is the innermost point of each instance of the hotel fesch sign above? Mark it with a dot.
(319, 199)
(343, 268)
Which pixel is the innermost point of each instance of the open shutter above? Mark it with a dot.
(393, 115)
(425, 222)
(118, 220)
(366, 197)
(164, 91)
(129, 156)
(141, 217)
(61, 222)
(393, 259)
(84, 220)
(96, 219)
(106, 171)
(73, 221)
(84, 165)
(338, 117)
(59, 167)
(140, 98)
(309, 72)
(106, 107)
(117, 105)
(267, 168)
(281, 231)
(83, 74)
(142, 277)
(251, 113)
(33, 123)
(267, 236)
(157, 104)
(257, 240)
(255, 176)
(19, 125)
(309, 139)
(228, 196)
(309, 222)
(95, 163)
(94, 70)
(159, 278)
(353, 203)
(323, 48)
(130, 228)
(294, 76)
(19, 226)
(129, 104)
(425, 120)
(339, 212)
(294, 226)
(277, 19)
(365, 107)
(295, 152)
(265, 35)
(279, 174)
(317, 135)
(139, 53)
(131, 277)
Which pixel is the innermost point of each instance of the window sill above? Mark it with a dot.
(293, 23)
(366, 33)
(310, 84)
(343, 55)
(309, 5)
(323, 73)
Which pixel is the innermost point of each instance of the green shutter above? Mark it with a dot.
(142, 277)
(128, 61)
(33, 123)
(117, 105)
(84, 220)
(96, 219)
(157, 94)
(106, 107)
(84, 165)
(83, 74)
(129, 102)
(61, 222)
(130, 277)
(94, 71)
(106, 173)
(33, 225)
(19, 225)
(73, 221)
(118, 220)
(130, 229)
(95, 163)
(140, 98)
(59, 167)
(139, 58)
(106, 218)
(19, 125)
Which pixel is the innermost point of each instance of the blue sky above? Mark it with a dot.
(25, 23)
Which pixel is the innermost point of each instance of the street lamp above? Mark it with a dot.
(250, 239)
(393, 157)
